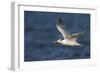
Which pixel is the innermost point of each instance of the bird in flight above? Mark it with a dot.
(68, 39)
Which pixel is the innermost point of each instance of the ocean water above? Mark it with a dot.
(40, 32)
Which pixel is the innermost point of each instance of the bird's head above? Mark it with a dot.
(58, 41)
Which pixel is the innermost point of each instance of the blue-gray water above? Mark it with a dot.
(40, 33)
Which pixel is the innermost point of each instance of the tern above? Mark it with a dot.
(68, 39)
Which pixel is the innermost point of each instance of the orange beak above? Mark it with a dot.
(56, 42)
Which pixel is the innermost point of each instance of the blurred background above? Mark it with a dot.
(41, 32)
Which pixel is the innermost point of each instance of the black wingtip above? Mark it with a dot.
(59, 21)
(83, 32)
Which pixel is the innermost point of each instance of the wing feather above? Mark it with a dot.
(60, 27)
(76, 35)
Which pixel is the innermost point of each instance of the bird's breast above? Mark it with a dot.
(69, 42)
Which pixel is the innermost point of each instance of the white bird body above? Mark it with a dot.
(69, 40)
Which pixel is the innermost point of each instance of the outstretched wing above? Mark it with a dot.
(60, 27)
(76, 35)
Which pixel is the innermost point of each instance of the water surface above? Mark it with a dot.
(40, 33)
